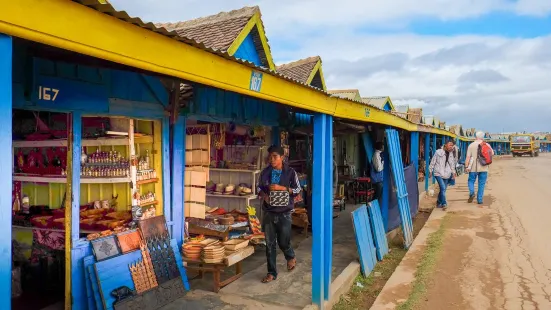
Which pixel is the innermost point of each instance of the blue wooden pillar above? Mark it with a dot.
(75, 177)
(328, 209)
(433, 152)
(165, 149)
(320, 160)
(177, 176)
(414, 151)
(427, 160)
(386, 187)
(6, 162)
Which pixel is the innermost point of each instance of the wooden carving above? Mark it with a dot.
(129, 241)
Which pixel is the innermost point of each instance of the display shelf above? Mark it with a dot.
(232, 196)
(154, 202)
(85, 142)
(155, 180)
(41, 179)
(235, 170)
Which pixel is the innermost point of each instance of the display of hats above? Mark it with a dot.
(219, 188)
(246, 191)
(229, 189)
(211, 187)
(210, 209)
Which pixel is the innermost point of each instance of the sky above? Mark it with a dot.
(479, 63)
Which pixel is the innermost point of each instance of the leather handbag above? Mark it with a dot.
(279, 198)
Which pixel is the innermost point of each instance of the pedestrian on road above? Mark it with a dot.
(455, 151)
(442, 166)
(277, 186)
(479, 158)
(377, 167)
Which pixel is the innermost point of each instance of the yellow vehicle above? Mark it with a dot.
(524, 144)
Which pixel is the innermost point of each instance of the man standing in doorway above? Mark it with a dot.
(478, 165)
(377, 166)
(278, 184)
(442, 166)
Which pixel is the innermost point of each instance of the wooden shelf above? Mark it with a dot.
(154, 202)
(232, 196)
(39, 179)
(147, 181)
(85, 142)
(82, 231)
(234, 170)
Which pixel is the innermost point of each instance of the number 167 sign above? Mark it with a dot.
(256, 81)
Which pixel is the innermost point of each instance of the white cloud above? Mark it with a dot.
(448, 76)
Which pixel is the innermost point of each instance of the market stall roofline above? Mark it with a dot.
(114, 35)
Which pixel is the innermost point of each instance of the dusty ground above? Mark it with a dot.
(497, 256)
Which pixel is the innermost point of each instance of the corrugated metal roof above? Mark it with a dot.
(350, 94)
(378, 102)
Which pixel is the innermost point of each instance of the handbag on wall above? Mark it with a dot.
(279, 198)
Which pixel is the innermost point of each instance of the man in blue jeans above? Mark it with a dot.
(442, 166)
(276, 220)
(476, 170)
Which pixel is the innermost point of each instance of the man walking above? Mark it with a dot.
(277, 186)
(479, 158)
(376, 171)
(442, 166)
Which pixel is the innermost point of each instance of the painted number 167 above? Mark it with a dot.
(47, 93)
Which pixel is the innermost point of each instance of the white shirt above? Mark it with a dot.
(378, 161)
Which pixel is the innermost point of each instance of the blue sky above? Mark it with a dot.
(483, 63)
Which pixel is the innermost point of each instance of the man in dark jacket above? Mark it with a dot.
(276, 221)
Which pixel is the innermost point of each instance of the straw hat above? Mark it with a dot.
(246, 191)
(229, 188)
(219, 188)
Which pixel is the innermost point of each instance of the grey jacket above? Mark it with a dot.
(439, 167)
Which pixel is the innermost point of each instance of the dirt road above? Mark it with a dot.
(498, 255)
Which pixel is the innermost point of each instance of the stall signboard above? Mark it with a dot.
(54, 93)
(256, 81)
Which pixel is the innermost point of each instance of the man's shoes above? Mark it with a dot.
(471, 198)
(480, 202)
(444, 208)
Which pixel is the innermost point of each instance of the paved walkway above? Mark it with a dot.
(292, 290)
(494, 256)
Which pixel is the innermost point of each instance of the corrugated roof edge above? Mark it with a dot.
(108, 9)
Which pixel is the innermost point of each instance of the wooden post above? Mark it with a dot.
(72, 201)
(133, 163)
(427, 160)
(178, 168)
(328, 208)
(6, 163)
(318, 205)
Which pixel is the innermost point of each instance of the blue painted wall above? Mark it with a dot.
(215, 105)
(86, 89)
(387, 107)
(247, 51)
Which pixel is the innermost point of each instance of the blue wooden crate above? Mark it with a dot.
(364, 240)
(378, 229)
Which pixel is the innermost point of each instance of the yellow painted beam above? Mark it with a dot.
(86, 31)
(254, 21)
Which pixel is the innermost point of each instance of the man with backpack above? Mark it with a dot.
(479, 159)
